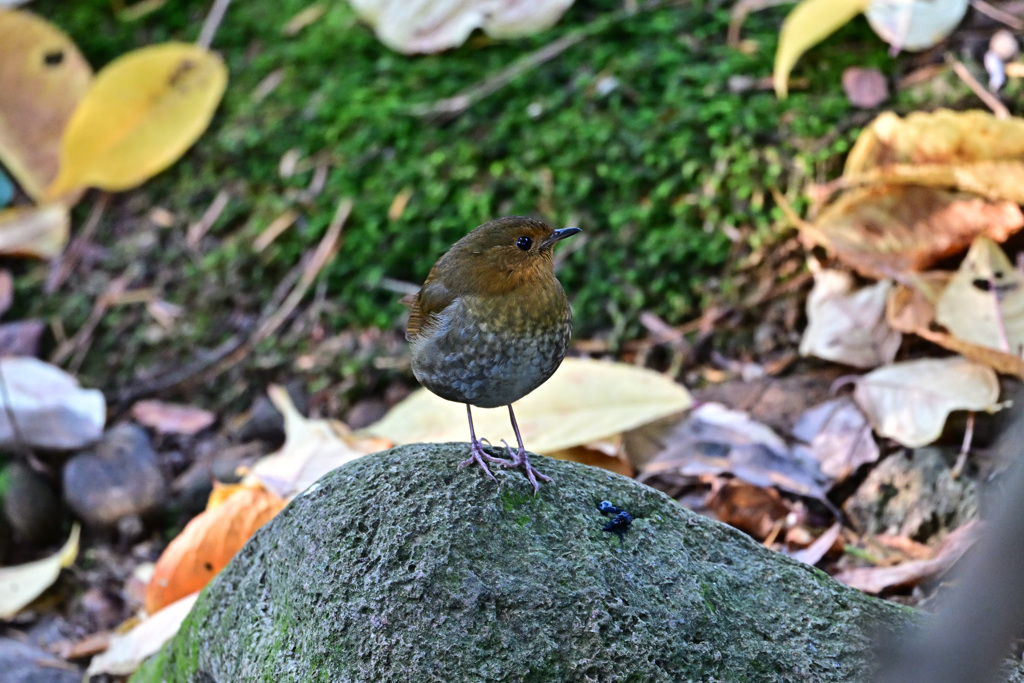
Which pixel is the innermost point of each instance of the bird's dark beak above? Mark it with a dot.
(559, 234)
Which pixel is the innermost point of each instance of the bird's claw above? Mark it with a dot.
(480, 457)
(521, 459)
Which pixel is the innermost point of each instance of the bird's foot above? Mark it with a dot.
(481, 458)
(521, 459)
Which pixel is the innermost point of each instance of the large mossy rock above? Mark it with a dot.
(400, 568)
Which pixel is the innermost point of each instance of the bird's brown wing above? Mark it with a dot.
(427, 305)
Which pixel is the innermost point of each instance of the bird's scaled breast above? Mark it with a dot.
(489, 352)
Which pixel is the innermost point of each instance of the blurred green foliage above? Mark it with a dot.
(634, 134)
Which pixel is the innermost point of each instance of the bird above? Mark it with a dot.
(490, 324)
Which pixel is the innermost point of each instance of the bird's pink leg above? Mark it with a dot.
(476, 450)
(520, 458)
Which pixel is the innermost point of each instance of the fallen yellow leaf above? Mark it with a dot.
(42, 78)
(584, 401)
(940, 137)
(984, 301)
(23, 583)
(808, 24)
(143, 111)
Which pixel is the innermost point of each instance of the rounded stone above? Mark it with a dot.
(398, 567)
(118, 477)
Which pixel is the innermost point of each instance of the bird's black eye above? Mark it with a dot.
(524, 243)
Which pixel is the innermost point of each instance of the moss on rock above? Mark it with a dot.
(638, 134)
(398, 567)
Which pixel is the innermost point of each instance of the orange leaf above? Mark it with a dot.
(207, 544)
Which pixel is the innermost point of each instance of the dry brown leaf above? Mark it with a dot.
(1001, 179)
(583, 402)
(878, 579)
(749, 508)
(848, 326)
(595, 458)
(940, 137)
(42, 77)
(912, 308)
(172, 418)
(886, 231)
(984, 301)
(910, 401)
(207, 544)
(1001, 362)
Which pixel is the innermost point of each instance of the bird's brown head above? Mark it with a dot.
(502, 255)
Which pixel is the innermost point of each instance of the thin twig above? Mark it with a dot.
(990, 100)
(965, 447)
(999, 15)
(80, 342)
(234, 350)
(198, 230)
(450, 107)
(62, 268)
(320, 257)
(212, 23)
(455, 105)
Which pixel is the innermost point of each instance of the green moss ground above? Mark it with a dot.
(652, 171)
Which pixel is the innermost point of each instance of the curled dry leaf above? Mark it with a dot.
(140, 115)
(886, 231)
(878, 579)
(839, 436)
(717, 440)
(128, 650)
(583, 402)
(38, 231)
(412, 26)
(984, 301)
(21, 584)
(42, 77)
(848, 326)
(909, 402)
(208, 543)
(311, 449)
